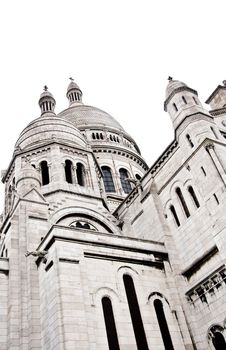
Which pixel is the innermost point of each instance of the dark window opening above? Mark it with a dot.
(175, 107)
(44, 172)
(167, 341)
(174, 213)
(216, 198)
(80, 174)
(193, 195)
(184, 99)
(101, 136)
(195, 100)
(183, 203)
(93, 136)
(126, 186)
(108, 180)
(189, 140)
(203, 170)
(219, 341)
(97, 136)
(135, 314)
(68, 171)
(138, 177)
(109, 319)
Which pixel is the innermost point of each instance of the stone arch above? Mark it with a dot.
(101, 292)
(75, 210)
(157, 295)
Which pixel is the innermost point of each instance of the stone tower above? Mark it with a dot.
(98, 251)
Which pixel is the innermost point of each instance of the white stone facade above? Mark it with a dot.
(99, 252)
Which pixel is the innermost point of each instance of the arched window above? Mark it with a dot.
(80, 174)
(167, 341)
(135, 314)
(108, 180)
(175, 107)
(93, 136)
(189, 140)
(184, 99)
(174, 213)
(10, 195)
(68, 171)
(124, 180)
(111, 331)
(219, 341)
(183, 203)
(44, 172)
(193, 195)
(138, 177)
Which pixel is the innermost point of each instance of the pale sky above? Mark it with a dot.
(120, 53)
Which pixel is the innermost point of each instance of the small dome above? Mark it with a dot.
(49, 127)
(173, 85)
(73, 86)
(83, 116)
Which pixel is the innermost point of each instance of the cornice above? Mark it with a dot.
(218, 111)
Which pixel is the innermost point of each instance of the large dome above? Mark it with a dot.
(49, 127)
(83, 116)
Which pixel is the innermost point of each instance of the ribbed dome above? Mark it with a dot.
(88, 116)
(173, 85)
(47, 128)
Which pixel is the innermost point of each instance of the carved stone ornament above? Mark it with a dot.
(209, 146)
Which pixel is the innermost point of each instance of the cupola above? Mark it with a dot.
(47, 102)
(181, 102)
(74, 93)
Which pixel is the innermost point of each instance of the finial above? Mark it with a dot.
(170, 78)
(224, 82)
(45, 88)
(71, 79)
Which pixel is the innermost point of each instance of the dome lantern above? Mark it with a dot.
(74, 93)
(47, 102)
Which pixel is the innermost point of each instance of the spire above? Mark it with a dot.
(47, 102)
(74, 93)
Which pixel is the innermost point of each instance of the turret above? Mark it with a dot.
(27, 178)
(74, 93)
(217, 99)
(47, 102)
(181, 102)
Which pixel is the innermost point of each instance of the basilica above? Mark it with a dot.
(99, 251)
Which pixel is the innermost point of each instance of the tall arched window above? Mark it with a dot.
(174, 213)
(189, 140)
(108, 180)
(135, 314)
(193, 195)
(126, 186)
(183, 203)
(110, 324)
(44, 172)
(163, 325)
(80, 173)
(219, 341)
(68, 171)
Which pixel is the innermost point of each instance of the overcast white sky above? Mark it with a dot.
(120, 52)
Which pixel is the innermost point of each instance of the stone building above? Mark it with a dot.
(98, 251)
